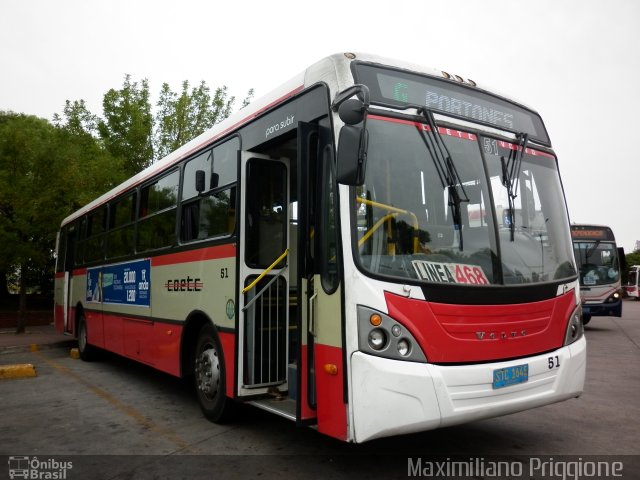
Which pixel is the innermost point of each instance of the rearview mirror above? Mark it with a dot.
(352, 111)
(352, 155)
(200, 180)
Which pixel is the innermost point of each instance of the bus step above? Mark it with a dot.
(284, 407)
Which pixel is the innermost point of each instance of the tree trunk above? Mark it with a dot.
(4, 290)
(22, 310)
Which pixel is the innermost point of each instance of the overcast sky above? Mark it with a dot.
(577, 62)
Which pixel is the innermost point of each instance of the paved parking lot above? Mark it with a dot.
(117, 407)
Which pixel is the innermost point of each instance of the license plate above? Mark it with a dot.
(503, 377)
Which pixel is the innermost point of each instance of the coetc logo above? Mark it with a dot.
(36, 469)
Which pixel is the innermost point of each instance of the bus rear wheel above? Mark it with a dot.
(210, 377)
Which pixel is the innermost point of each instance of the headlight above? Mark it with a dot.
(377, 339)
(381, 335)
(614, 297)
(575, 329)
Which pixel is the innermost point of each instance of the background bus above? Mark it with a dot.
(599, 262)
(633, 284)
(374, 248)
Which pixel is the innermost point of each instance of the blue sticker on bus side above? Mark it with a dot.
(123, 284)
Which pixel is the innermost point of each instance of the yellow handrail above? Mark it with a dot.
(375, 227)
(269, 268)
(390, 208)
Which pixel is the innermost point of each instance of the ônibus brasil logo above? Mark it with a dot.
(33, 468)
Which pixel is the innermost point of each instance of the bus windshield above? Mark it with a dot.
(414, 220)
(597, 262)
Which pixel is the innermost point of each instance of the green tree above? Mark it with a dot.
(45, 174)
(182, 117)
(76, 118)
(129, 130)
(127, 127)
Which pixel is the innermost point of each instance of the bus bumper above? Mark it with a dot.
(391, 397)
(603, 309)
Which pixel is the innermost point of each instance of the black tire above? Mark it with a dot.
(87, 352)
(586, 318)
(210, 377)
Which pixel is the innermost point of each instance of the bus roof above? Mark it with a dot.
(333, 70)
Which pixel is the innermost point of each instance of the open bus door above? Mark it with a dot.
(289, 347)
(305, 395)
(269, 232)
(263, 323)
(68, 247)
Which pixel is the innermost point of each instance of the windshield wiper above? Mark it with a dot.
(446, 169)
(589, 251)
(511, 176)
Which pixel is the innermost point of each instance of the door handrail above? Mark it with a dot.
(267, 270)
(264, 289)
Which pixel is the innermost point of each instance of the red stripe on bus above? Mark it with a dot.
(154, 343)
(528, 151)
(228, 341)
(79, 271)
(443, 130)
(197, 255)
(58, 317)
(332, 412)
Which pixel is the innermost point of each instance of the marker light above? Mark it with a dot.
(330, 368)
(375, 320)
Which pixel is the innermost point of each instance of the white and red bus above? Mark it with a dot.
(375, 248)
(633, 283)
(599, 262)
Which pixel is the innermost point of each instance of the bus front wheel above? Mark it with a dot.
(210, 377)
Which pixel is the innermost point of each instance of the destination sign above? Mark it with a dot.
(591, 233)
(397, 88)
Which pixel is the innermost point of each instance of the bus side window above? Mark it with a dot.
(96, 226)
(122, 215)
(212, 213)
(157, 213)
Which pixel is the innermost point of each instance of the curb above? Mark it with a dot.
(17, 371)
(37, 346)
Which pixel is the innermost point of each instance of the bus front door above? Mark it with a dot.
(263, 322)
(69, 260)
